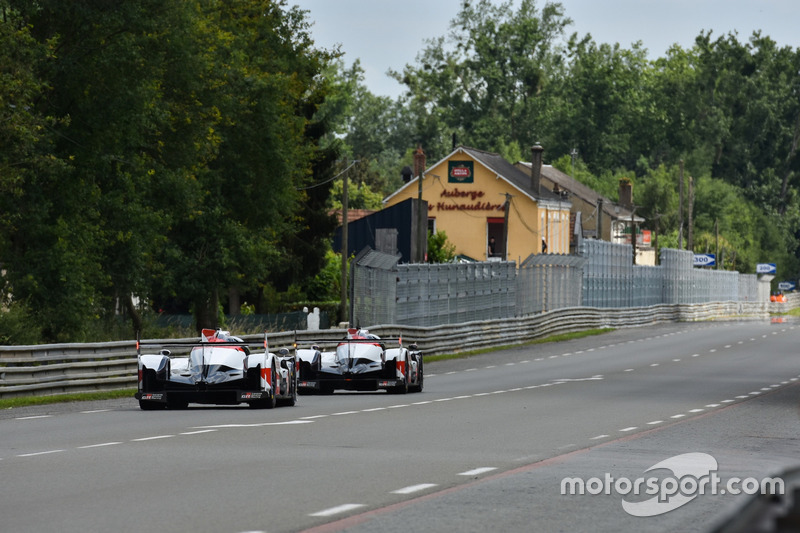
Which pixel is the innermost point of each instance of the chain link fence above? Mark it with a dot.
(602, 275)
(549, 281)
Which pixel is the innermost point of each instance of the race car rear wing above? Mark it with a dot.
(354, 336)
(208, 337)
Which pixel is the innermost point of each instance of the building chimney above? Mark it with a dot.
(536, 168)
(625, 193)
(419, 162)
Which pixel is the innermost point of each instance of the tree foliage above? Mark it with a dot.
(180, 152)
(165, 153)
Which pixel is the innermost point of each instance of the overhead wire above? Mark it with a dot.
(320, 184)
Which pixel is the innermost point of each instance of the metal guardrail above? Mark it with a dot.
(66, 368)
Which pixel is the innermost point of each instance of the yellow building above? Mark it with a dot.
(477, 197)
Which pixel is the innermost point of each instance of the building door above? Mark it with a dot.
(494, 237)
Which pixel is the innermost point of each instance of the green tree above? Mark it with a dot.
(440, 250)
(485, 83)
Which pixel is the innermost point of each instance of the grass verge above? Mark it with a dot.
(552, 338)
(25, 401)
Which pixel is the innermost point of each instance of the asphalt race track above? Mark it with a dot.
(487, 445)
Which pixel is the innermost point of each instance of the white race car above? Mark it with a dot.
(361, 362)
(219, 369)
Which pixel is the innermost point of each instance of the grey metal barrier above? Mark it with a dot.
(64, 368)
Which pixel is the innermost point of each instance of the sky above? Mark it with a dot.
(388, 34)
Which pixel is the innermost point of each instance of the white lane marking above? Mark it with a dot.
(713, 405)
(477, 471)
(625, 430)
(344, 413)
(33, 417)
(422, 403)
(338, 509)
(741, 397)
(598, 377)
(599, 437)
(677, 416)
(95, 411)
(315, 416)
(153, 438)
(695, 355)
(289, 423)
(728, 401)
(414, 488)
(406, 405)
(198, 432)
(696, 410)
(654, 364)
(34, 454)
(470, 370)
(374, 409)
(676, 360)
(654, 422)
(98, 445)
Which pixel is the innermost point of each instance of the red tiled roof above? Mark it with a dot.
(352, 214)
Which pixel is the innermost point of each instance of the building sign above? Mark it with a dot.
(704, 260)
(644, 237)
(458, 200)
(460, 171)
(766, 268)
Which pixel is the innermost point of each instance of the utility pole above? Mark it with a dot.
(680, 208)
(422, 230)
(633, 234)
(343, 310)
(690, 207)
(505, 227)
(716, 238)
(599, 219)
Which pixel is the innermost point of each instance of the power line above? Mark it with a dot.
(328, 180)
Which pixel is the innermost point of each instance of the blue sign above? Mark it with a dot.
(705, 260)
(766, 268)
(786, 286)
